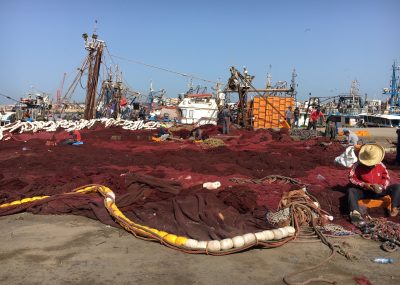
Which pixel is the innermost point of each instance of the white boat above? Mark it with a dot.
(380, 120)
(6, 118)
(199, 109)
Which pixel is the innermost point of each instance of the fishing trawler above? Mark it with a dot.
(380, 120)
(36, 104)
(345, 108)
(391, 116)
(199, 109)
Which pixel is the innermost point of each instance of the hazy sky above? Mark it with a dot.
(330, 43)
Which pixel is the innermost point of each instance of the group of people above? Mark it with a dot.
(292, 117)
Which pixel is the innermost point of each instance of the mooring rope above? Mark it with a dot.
(303, 210)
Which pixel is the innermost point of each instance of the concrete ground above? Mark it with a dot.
(76, 250)
(384, 136)
(378, 132)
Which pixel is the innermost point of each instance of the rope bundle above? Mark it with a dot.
(212, 143)
(308, 219)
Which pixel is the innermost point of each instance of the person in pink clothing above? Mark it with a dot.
(370, 179)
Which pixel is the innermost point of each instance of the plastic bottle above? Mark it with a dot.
(383, 260)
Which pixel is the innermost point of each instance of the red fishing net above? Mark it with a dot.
(160, 184)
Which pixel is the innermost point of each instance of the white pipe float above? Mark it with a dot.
(238, 242)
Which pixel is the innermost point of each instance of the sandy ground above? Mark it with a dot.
(76, 250)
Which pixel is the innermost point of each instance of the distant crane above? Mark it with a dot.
(59, 91)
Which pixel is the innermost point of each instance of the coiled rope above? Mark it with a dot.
(305, 211)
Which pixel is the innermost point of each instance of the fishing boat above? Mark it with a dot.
(380, 120)
(6, 117)
(199, 109)
(391, 116)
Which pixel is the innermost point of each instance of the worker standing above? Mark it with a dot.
(288, 116)
(296, 116)
(226, 120)
(370, 179)
(314, 117)
(331, 128)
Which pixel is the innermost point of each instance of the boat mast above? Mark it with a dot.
(394, 91)
(95, 48)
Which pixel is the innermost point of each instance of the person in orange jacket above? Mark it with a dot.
(75, 138)
(76, 135)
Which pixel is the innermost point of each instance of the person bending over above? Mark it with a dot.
(351, 138)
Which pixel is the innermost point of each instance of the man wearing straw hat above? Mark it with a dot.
(370, 179)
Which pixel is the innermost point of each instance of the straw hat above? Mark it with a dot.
(371, 154)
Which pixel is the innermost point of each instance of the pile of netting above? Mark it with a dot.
(305, 134)
(160, 184)
(212, 143)
(155, 190)
(193, 222)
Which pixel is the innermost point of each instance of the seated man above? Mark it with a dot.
(198, 134)
(163, 133)
(76, 135)
(371, 180)
(27, 116)
(74, 139)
